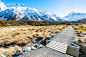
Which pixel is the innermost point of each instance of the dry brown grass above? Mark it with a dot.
(8, 51)
(21, 34)
(80, 37)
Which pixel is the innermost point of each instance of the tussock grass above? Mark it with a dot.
(18, 35)
(80, 37)
(8, 51)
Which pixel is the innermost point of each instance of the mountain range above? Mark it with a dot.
(17, 11)
(72, 16)
(80, 21)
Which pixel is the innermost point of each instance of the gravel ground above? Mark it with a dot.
(44, 52)
(66, 36)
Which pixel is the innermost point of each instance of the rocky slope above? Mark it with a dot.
(16, 11)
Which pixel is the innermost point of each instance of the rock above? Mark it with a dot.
(47, 41)
(28, 44)
(52, 35)
(84, 33)
(39, 45)
(33, 48)
(18, 52)
(76, 45)
(6, 47)
(75, 42)
(38, 38)
(34, 40)
(26, 49)
(48, 37)
(43, 42)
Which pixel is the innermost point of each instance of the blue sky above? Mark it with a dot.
(59, 7)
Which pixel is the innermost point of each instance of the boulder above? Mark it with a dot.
(76, 45)
(18, 52)
(39, 45)
(28, 44)
(75, 42)
(39, 38)
(47, 41)
(34, 40)
(52, 35)
(33, 48)
(26, 49)
(48, 37)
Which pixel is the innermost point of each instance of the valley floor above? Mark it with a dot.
(15, 37)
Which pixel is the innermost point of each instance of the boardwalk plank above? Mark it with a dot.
(52, 49)
(61, 47)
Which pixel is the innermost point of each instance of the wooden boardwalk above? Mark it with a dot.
(66, 36)
(61, 47)
(57, 47)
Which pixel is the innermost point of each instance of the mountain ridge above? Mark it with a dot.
(72, 16)
(20, 11)
(80, 21)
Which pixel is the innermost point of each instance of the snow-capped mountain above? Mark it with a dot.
(75, 16)
(16, 11)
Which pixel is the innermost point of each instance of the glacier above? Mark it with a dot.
(73, 16)
(17, 11)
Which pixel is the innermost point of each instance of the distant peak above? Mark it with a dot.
(72, 12)
(15, 5)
